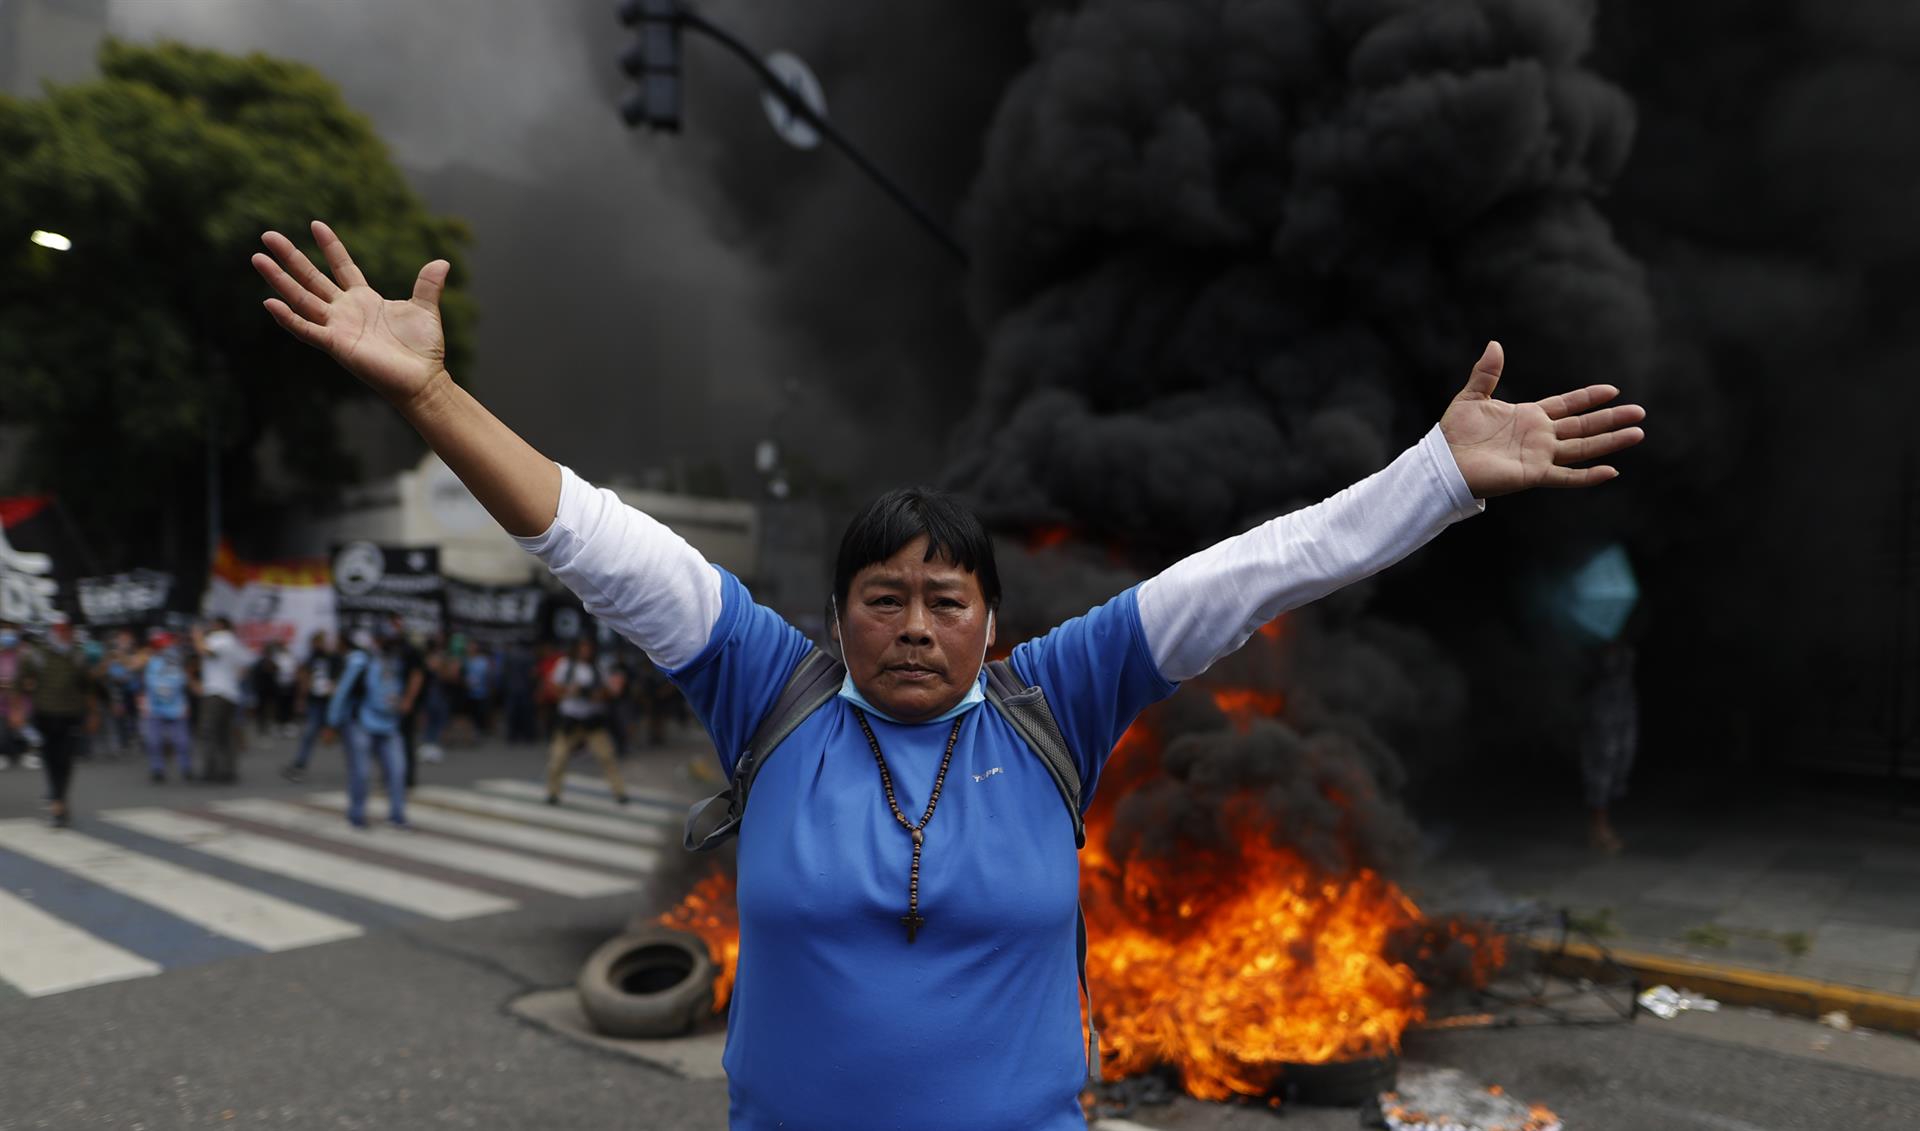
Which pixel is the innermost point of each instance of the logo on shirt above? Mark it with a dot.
(988, 774)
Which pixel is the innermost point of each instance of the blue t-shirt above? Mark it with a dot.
(837, 1022)
(166, 683)
(478, 670)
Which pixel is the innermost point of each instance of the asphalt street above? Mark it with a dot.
(408, 1025)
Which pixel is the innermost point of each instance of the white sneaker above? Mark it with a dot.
(29, 761)
(431, 752)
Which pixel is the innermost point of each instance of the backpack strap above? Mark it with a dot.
(815, 681)
(1026, 708)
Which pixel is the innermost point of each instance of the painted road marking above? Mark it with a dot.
(592, 850)
(499, 864)
(578, 799)
(251, 917)
(40, 955)
(540, 813)
(598, 787)
(423, 896)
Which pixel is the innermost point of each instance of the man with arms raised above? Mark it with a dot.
(908, 881)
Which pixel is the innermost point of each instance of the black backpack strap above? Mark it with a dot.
(815, 681)
(1026, 708)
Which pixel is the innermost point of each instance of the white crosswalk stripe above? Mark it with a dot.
(252, 917)
(572, 846)
(227, 865)
(593, 803)
(42, 955)
(539, 813)
(581, 784)
(432, 898)
(669, 818)
(527, 871)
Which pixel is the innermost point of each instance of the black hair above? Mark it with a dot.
(896, 518)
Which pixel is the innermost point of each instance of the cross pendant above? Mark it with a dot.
(914, 922)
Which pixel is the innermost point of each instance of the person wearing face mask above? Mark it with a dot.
(60, 682)
(908, 883)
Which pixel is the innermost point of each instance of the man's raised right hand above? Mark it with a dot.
(396, 348)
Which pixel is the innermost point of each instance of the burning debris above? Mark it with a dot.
(1239, 919)
(1445, 1099)
(708, 912)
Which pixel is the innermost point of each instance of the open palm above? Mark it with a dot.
(1502, 448)
(396, 347)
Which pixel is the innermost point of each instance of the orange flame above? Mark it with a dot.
(709, 912)
(1244, 704)
(1047, 537)
(1226, 981)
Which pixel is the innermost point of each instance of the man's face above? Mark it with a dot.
(913, 632)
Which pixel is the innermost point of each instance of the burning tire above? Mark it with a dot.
(1339, 1083)
(650, 983)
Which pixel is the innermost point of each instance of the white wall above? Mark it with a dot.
(431, 507)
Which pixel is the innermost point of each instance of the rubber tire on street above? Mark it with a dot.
(650, 983)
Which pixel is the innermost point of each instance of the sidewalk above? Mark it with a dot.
(1780, 896)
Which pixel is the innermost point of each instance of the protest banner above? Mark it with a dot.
(283, 601)
(372, 582)
(130, 599)
(494, 614)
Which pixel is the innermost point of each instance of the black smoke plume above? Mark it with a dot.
(1230, 258)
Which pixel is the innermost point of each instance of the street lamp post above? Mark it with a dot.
(654, 61)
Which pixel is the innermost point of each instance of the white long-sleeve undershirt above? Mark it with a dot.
(1205, 606)
(650, 586)
(630, 570)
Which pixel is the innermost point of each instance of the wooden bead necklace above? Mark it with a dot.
(912, 918)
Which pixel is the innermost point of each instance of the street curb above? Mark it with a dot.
(1735, 985)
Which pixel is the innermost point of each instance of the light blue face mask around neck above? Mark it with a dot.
(975, 695)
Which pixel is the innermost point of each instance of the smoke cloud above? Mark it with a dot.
(1230, 257)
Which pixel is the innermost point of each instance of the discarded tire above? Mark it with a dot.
(1339, 1083)
(650, 983)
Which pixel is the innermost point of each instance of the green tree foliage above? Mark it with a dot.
(117, 354)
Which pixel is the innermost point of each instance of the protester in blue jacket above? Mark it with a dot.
(366, 708)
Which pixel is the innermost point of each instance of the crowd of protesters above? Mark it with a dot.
(185, 699)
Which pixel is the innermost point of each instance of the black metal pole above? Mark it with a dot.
(805, 113)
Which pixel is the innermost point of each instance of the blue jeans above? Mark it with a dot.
(393, 763)
(161, 734)
(316, 722)
(437, 712)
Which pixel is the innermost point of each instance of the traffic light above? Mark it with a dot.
(653, 61)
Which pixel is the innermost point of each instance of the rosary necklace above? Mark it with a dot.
(912, 918)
